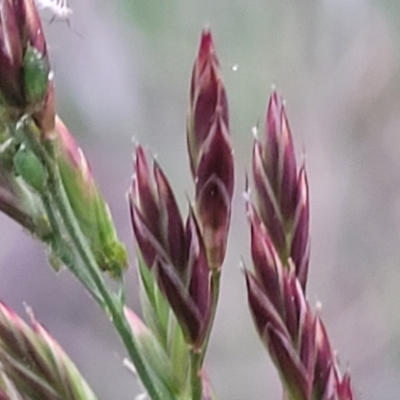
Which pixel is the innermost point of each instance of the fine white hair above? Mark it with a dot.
(59, 8)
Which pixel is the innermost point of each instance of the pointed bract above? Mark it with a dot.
(171, 221)
(266, 200)
(300, 246)
(291, 370)
(144, 191)
(199, 285)
(179, 298)
(265, 259)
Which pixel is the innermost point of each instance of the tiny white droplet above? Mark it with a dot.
(246, 194)
(254, 131)
(235, 67)
(128, 364)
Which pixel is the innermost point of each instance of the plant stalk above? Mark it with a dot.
(79, 242)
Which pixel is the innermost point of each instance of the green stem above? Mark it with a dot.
(66, 254)
(195, 377)
(78, 240)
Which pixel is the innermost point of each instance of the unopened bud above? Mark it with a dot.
(30, 168)
(90, 209)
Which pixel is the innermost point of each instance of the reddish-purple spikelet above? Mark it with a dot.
(199, 287)
(263, 310)
(290, 369)
(265, 259)
(288, 189)
(185, 309)
(144, 191)
(307, 350)
(171, 223)
(155, 215)
(210, 150)
(281, 194)
(280, 246)
(176, 254)
(300, 246)
(272, 131)
(344, 388)
(146, 241)
(266, 201)
(278, 156)
(34, 363)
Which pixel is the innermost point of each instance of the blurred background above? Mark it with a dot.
(122, 70)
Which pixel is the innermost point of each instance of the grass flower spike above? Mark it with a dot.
(281, 193)
(294, 336)
(185, 259)
(210, 150)
(174, 253)
(35, 363)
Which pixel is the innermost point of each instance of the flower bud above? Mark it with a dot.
(28, 166)
(90, 209)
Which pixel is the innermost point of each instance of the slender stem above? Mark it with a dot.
(215, 284)
(195, 377)
(64, 255)
(79, 241)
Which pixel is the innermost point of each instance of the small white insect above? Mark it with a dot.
(59, 8)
